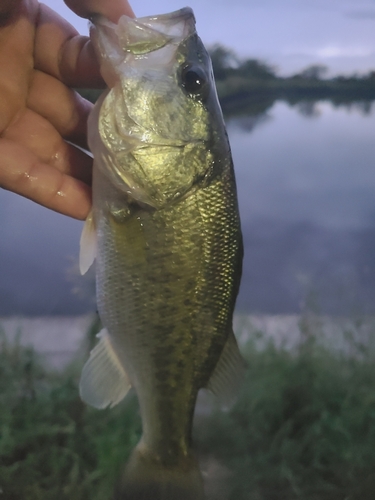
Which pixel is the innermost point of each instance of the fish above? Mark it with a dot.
(166, 237)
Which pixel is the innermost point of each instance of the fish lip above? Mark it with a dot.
(184, 13)
(99, 21)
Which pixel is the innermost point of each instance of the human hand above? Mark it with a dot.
(41, 58)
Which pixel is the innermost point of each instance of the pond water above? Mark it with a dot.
(306, 185)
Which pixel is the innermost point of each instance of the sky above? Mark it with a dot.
(287, 34)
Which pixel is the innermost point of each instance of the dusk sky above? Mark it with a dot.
(288, 34)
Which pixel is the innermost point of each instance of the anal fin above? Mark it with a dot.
(104, 381)
(228, 374)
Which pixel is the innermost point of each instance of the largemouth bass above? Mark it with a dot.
(165, 232)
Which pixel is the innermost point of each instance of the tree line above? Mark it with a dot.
(256, 83)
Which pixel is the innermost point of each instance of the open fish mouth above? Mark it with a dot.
(162, 23)
(137, 37)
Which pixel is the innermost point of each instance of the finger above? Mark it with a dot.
(36, 134)
(16, 63)
(66, 110)
(111, 9)
(23, 173)
(7, 8)
(61, 52)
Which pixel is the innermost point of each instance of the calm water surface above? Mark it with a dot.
(306, 183)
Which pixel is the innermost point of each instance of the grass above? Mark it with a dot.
(52, 446)
(303, 428)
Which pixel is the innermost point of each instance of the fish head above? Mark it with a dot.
(158, 132)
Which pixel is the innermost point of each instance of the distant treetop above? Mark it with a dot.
(226, 63)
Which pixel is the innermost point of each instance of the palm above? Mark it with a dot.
(40, 56)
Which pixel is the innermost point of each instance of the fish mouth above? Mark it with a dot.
(115, 43)
(185, 14)
(141, 35)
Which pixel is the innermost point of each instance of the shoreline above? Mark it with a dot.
(63, 339)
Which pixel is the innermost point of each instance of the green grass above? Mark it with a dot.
(302, 428)
(52, 446)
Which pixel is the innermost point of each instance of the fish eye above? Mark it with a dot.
(193, 79)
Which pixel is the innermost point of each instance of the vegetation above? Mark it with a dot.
(251, 86)
(52, 446)
(304, 425)
(303, 428)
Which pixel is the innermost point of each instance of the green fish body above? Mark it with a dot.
(168, 246)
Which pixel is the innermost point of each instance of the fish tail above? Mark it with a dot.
(146, 478)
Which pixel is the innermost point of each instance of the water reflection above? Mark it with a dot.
(307, 199)
(309, 109)
(312, 109)
(291, 266)
(248, 123)
(256, 108)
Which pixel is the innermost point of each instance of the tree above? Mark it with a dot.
(223, 61)
(313, 72)
(253, 68)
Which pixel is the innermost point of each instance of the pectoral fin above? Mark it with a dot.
(228, 374)
(104, 381)
(87, 244)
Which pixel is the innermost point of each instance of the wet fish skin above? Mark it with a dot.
(169, 246)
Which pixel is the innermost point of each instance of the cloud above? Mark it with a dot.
(330, 52)
(336, 51)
